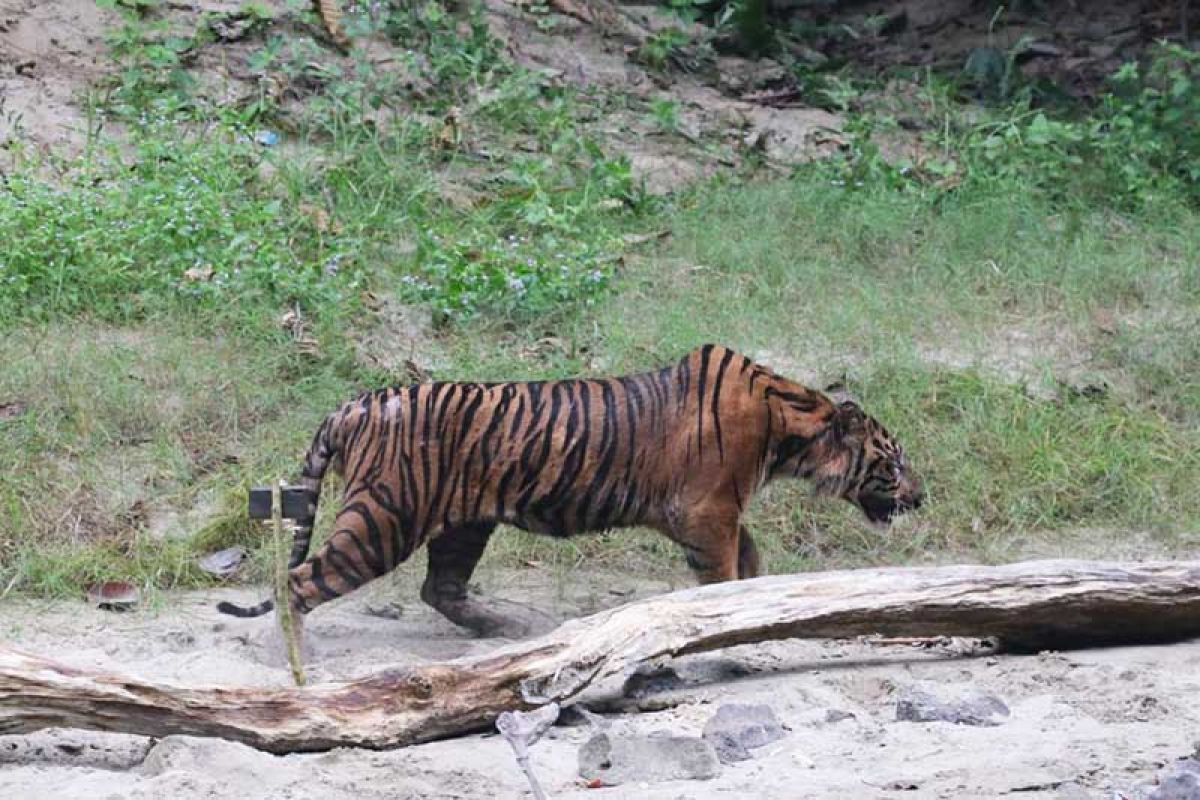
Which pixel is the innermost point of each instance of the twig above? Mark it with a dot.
(521, 730)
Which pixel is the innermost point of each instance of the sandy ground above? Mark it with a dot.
(1084, 724)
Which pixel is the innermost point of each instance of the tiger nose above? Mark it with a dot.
(917, 498)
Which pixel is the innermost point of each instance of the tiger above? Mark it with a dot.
(682, 450)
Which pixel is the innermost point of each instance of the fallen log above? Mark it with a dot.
(1033, 605)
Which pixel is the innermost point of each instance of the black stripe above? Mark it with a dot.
(609, 439)
(568, 477)
(319, 581)
(634, 396)
(705, 354)
(445, 449)
(344, 568)
(532, 472)
(716, 401)
(374, 539)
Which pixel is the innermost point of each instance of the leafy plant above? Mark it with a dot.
(666, 114)
(181, 227)
(662, 46)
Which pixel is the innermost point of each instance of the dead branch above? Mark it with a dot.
(1032, 605)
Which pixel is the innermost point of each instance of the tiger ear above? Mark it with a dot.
(848, 416)
(839, 393)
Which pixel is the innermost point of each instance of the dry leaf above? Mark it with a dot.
(113, 595)
(12, 410)
(198, 274)
(371, 300)
(318, 215)
(294, 323)
(1105, 321)
(634, 239)
(414, 372)
(449, 136)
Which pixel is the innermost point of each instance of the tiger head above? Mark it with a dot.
(847, 453)
(867, 466)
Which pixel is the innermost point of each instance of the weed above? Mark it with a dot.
(662, 46)
(184, 228)
(666, 114)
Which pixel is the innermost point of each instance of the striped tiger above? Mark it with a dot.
(681, 450)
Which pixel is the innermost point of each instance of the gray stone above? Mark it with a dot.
(736, 729)
(1180, 781)
(612, 760)
(649, 681)
(579, 716)
(926, 703)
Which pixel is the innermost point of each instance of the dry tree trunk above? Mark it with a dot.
(1047, 604)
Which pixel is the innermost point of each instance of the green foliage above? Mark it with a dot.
(666, 114)
(1138, 146)
(183, 225)
(1151, 124)
(516, 278)
(1141, 143)
(662, 46)
(459, 57)
(749, 20)
(547, 249)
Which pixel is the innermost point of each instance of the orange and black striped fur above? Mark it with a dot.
(682, 450)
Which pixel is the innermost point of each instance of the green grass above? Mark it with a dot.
(976, 321)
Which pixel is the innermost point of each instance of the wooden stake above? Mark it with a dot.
(283, 601)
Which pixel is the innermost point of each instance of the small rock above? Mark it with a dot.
(12, 410)
(223, 563)
(646, 682)
(578, 716)
(1179, 781)
(189, 754)
(389, 610)
(736, 729)
(925, 703)
(231, 27)
(834, 715)
(902, 786)
(71, 748)
(612, 760)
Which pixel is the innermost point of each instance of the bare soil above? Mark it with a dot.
(51, 53)
(1082, 724)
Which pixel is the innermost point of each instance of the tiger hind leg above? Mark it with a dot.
(452, 559)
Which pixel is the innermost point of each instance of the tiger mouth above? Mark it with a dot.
(884, 510)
